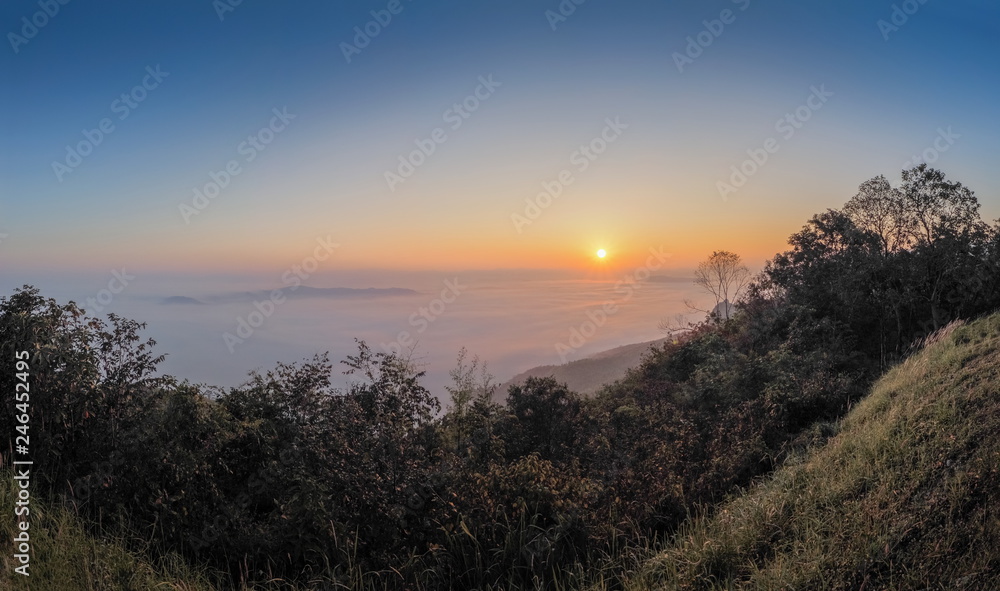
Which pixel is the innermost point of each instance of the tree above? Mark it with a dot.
(938, 206)
(881, 209)
(724, 276)
(471, 383)
(89, 379)
(925, 208)
(544, 412)
(468, 425)
(676, 326)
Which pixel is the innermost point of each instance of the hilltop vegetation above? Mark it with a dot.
(285, 478)
(905, 496)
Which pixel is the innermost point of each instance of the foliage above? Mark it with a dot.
(903, 497)
(66, 558)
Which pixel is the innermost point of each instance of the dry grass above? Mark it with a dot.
(66, 558)
(906, 496)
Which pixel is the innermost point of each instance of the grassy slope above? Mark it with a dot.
(906, 496)
(65, 558)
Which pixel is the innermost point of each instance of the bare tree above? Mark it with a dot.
(676, 326)
(723, 275)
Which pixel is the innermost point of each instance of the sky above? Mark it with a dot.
(208, 143)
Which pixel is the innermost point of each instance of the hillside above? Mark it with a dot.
(586, 376)
(66, 558)
(905, 496)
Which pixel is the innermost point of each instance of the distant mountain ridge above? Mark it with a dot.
(299, 292)
(184, 300)
(587, 375)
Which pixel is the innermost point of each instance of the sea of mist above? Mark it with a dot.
(511, 320)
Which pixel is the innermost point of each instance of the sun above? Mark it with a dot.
(601, 253)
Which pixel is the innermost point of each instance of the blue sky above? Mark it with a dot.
(325, 172)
